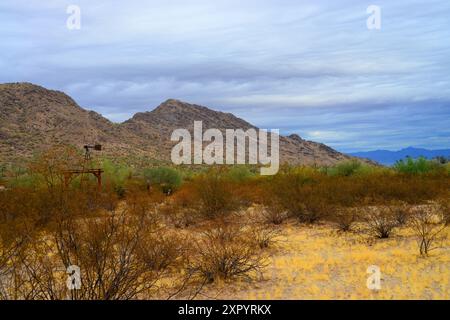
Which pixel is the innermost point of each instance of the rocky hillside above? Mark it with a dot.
(33, 118)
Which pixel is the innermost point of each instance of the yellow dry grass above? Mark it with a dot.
(315, 262)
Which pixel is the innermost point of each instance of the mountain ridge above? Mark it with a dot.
(33, 117)
(388, 157)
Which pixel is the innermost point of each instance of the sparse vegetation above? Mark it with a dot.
(218, 224)
(417, 166)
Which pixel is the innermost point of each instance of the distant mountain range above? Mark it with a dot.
(387, 157)
(32, 118)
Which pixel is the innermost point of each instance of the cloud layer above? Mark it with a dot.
(310, 67)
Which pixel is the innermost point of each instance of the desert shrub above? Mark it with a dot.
(115, 176)
(168, 179)
(428, 228)
(444, 210)
(183, 209)
(287, 190)
(215, 194)
(50, 165)
(273, 213)
(379, 221)
(121, 256)
(164, 252)
(239, 173)
(264, 236)
(417, 166)
(344, 218)
(315, 209)
(345, 169)
(400, 212)
(226, 252)
(143, 204)
(123, 253)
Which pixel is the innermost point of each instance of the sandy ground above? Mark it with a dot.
(315, 262)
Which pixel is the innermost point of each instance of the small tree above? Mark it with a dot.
(428, 228)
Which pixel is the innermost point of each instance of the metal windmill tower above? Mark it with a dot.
(87, 167)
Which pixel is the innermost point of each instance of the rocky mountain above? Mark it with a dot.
(33, 118)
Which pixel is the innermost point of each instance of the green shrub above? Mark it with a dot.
(216, 194)
(239, 173)
(349, 168)
(417, 166)
(167, 178)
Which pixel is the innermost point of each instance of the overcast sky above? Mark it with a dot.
(307, 67)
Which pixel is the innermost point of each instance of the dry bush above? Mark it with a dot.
(379, 221)
(166, 251)
(215, 194)
(315, 209)
(444, 210)
(264, 236)
(226, 252)
(344, 218)
(400, 212)
(121, 256)
(428, 228)
(294, 192)
(123, 253)
(273, 213)
(12, 283)
(51, 165)
(145, 204)
(182, 209)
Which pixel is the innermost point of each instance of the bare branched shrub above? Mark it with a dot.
(264, 236)
(379, 221)
(274, 213)
(122, 253)
(183, 209)
(315, 209)
(400, 211)
(226, 252)
(12, 284)
(141, 204)
(121, 256)
(444, 210)
(428, 228)
(344, 218)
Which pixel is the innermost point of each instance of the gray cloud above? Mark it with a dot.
(310, 67)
